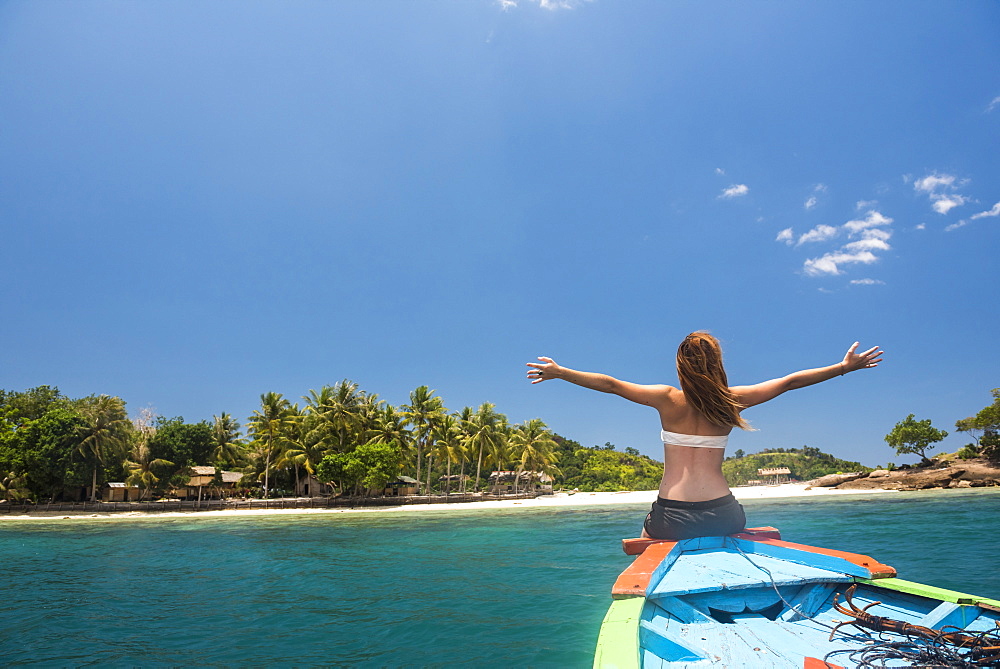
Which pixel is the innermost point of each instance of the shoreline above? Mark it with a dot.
(558, 500)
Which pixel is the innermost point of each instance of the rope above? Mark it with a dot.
(917, 651)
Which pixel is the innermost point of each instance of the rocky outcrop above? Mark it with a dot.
(963, 474)
(832, 480)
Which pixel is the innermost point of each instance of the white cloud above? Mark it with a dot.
(820, 233)
(934, 182)
(785, 236)
(557, 4)
(956, 226)
(810, 203)
(830, 263)
(942, 204)
(867, 282)
(869, 244)
(551, 5)
(995, 211)
(866, 204)
(993, 104)
(736, 190)
(872, 239)
(939, 187)
(719, 170)
(872, 220)
(820, 188)
(921, 226)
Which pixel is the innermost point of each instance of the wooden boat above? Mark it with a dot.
(753, 600)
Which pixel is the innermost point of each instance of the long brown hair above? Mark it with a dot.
(703, 380)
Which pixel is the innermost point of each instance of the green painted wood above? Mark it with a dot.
(930, 591)
(618, 642)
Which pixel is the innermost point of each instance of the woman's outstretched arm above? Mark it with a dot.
(547, 368)
(759, 393)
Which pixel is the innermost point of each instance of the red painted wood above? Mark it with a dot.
(816, 663)
(877, 569)
(635, 579)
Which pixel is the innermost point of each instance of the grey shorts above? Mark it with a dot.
(672, 519)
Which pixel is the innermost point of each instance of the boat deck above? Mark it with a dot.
(745, 602)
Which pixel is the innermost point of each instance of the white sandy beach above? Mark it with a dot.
(787, 490)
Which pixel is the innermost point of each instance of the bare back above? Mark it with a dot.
(689, 474)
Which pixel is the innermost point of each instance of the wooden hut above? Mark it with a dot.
(120, 492)
(504, 481)
(774, 475)
(403, 485)
(310, 486)
(207, 482)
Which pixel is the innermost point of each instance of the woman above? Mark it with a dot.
(696, 419)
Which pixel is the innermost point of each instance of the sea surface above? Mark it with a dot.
(487, 588)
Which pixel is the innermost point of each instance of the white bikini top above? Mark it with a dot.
(694, 440)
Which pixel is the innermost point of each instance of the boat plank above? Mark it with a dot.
(635, 579)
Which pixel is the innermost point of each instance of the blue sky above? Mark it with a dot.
(202, 202)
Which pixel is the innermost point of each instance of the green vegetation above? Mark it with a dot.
(57, 448)
(604, 469)
(914, 436)
(805, 463)
(984, 428)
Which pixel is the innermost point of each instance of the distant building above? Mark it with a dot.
(310, 486)
(205, 484)
(775, 475)
(504, 481)
(120, 492)
(403, 485)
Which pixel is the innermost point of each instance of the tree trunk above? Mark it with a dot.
(430, 463)
(448, 488)
(420, 451)
(93, 487)
(461, 478)
(267, 469)
(479, 464)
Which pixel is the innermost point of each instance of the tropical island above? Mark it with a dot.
(344, 442)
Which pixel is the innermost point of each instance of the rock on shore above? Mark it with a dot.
(975, 473)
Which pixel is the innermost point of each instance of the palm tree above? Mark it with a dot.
(341, 412)
(448, 444)
(104, 431)
(533, 446)
(369, 412)
(270, 427)
(227, 447)
(13, 486)
(487, 433)
(466, 428)
(390, 426)
(423, 413)
(141, 465)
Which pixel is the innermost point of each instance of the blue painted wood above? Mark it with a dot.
(946, 613)
(819, 560)
(664, 645)
(684, 612)
(677, 628)
(729, 570)
(665, 565)
(808, 601)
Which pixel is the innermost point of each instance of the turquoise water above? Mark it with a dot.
(490, 588)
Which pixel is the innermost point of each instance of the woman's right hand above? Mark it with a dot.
(544, 370)
(853, 361)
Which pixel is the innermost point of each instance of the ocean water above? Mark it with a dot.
(487, 588)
